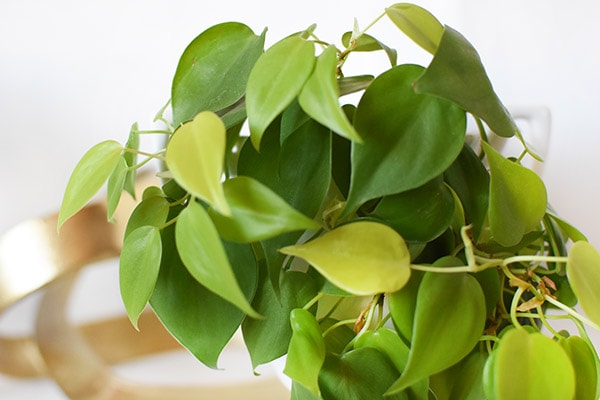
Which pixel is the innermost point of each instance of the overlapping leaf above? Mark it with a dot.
(195, 156)
(362, 258)
(418, 24)
(583, 271)
(213, 71)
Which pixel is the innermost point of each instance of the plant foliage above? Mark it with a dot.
(384, 250)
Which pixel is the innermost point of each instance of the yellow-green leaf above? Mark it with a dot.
(319, 97)
(115, 186)
(87, 178)
(275, 80)
(202, 253)
(138, 269)
(584, 360)
(362, 258)
(583, 271)
(195, 157)
(418, 24)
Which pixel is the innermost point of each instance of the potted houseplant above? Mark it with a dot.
(384, 251)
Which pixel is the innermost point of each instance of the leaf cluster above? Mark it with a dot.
(384, 250)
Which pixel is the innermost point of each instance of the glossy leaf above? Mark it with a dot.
(585, 365)
(367, 42)
(418, 24)
(202, 253)
(213, 71)
(360, 374)
(138, 269)
(457, 74)
(319, 96)
(470, 180)
(257, 213)
(445, 303)
(420, 214)
(307, 350)
(151, 211)
(353, 84)
(402, 304)
(285, 66)
(200, 320)
(362, 258)
(583, 271)
(269, 338)
(393, 121)
(518, 199)
(528, 366)
(195, 156)
(115, 186)
(90, 173)
(461, 381)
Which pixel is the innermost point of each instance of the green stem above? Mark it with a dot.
(514, 305)
(313, 301)
(338, 324)
(571, 312)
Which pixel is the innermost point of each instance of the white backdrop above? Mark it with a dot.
(73, 73)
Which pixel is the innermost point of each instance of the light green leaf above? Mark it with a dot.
(457, 74)
(87, 178)
(449, 319)
(319, 97)
(257, 213)
(418, 24)
(528, 366)
(352, 84)
(213, 70)
(196, 155)
(115, 186)
(138, 269)
(152, 211)
(408, 138)
(518, 199)
(276, 79)
(583, 271)
(367, 42)
(202, 253)
(307, 350)
(585, 363)
(133, 143)
(569, 230)
(462, 381)
(362, 258)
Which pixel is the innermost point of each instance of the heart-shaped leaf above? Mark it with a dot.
(528, 366)
(418, 24)
(307, 350)
(285, 66)
(449, 320)
(457, 74)
(90, 173)
(393, 121)
(518, 199)
(585, 363)
(583, 271)
(195, 156)
(138, 269)
(257, 213)
(202, 253)
(360, 374)
(213, 70)
(319, 96)
(362, 258)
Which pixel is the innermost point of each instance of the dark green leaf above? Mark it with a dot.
(461, 381)
(138, 269)
(213, 70)
(199, 319)
(393, 121)
(353, 84)
(202, 253)
(420, 214)
(456, 74)
(269, 338)
(402, 306)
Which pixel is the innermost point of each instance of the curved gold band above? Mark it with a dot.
(34, 258)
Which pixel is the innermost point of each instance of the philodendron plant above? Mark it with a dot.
(386, 252)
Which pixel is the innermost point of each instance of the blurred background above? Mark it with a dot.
(74, 73)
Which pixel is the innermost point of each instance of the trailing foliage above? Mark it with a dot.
(384, 250)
